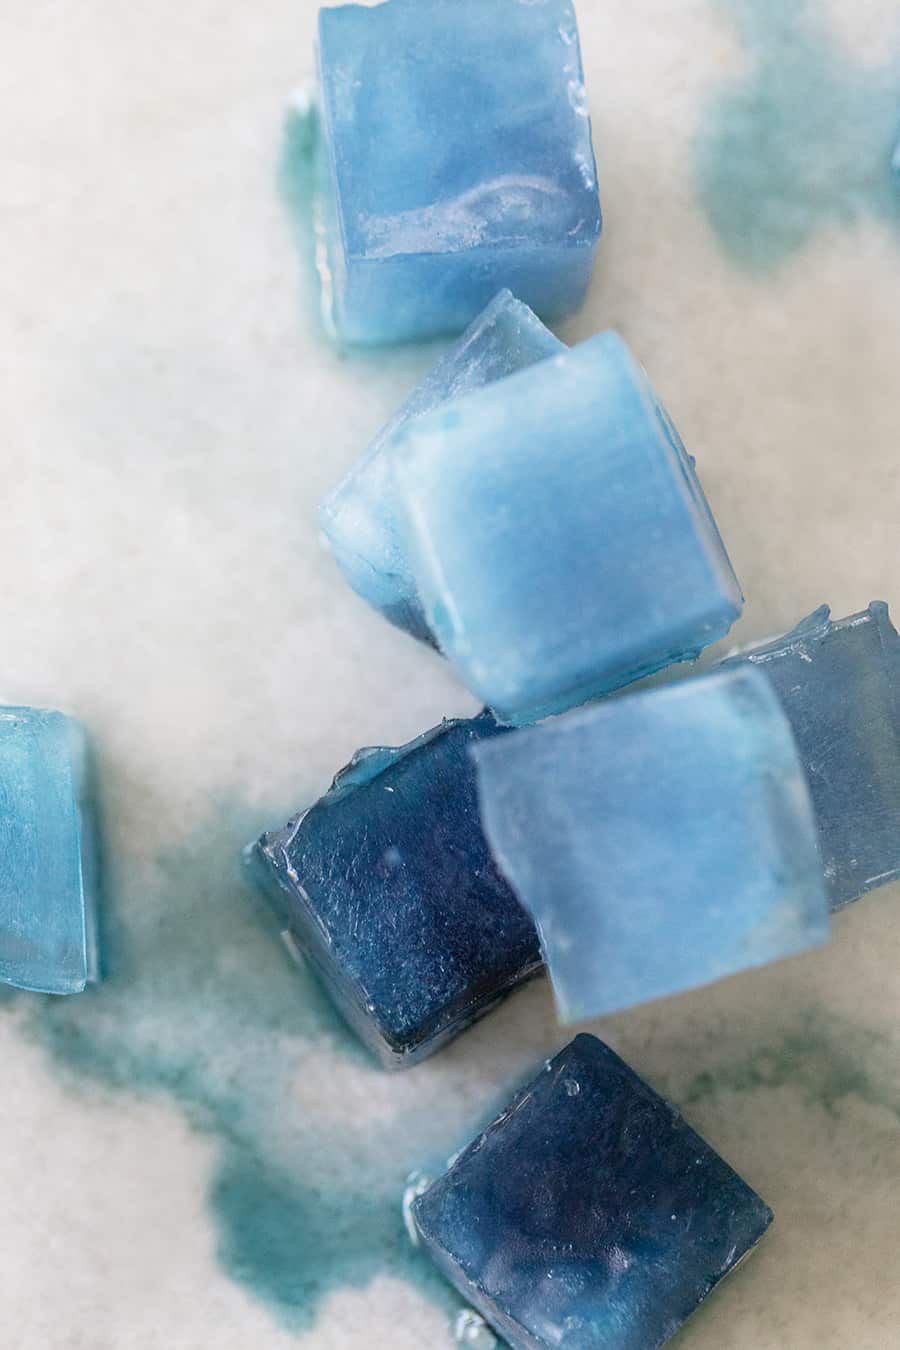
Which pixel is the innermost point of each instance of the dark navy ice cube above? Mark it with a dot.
(589, 1215)
(455, 157)
(359, 517)
(388, 887)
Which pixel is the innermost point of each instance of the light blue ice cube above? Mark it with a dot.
(558, 536)
(359, 518)
(455, 158)
(660, 841)
(48, 884)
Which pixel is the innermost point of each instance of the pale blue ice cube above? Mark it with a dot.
(660, 840)
(455, 158)
(559, 539)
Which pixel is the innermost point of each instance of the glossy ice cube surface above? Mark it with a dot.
(455, 158)
(359, 518)
(559, 538)
(48, 883)
(660, 840)
(589, 1216)
(388, 888)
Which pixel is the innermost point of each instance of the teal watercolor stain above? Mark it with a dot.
(296, 189)
(805, 139)
(202, 1005)
(292, 1243)
(829, 1062)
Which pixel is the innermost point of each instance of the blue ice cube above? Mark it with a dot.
(359, 518)
(559, 539)
(455, 158)
(48, 883)
(387, 886)
(839, 684)
(660, 840)
(589, 1215)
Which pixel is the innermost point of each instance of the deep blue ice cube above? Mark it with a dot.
(839, 684)
(359, 518)
(455, 158)
(660, 840)
(388, 888)
(557, 533)
(589, 1215)
(48, 882)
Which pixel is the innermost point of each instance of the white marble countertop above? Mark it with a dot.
(197, 1155)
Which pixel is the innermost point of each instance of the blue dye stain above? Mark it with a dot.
(805, 139)
(201, 1004)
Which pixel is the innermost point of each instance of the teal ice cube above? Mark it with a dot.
(455, 158)
(558, 536)
(360, 517)
(660, 841)
(48, 883)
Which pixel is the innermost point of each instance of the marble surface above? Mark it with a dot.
(196, 1155)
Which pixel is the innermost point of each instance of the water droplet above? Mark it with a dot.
(417, 1184)
(572, 1086)
(472, 1331)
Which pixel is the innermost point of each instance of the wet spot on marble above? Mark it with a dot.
(803, 139)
